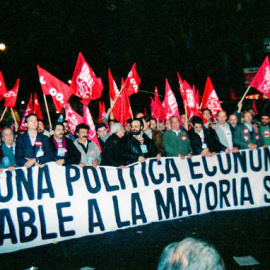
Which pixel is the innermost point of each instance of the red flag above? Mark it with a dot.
(37, 109)
(73, 118)
(261, 81)
(169, 103)
(84, 82)
(3, 88)
(210, 99)
(102, 112)
(157, 110)
(11, 95)
(121, 110)
(28, 110)
(182, 91)
(254, 107)
(50, 85)
(87, 119)
(113, 89)
(132, 81)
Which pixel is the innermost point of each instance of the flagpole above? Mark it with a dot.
(46, 105)
(15, 122)
(186, 125)
(3, 114)
(244, 94)
(131, 112)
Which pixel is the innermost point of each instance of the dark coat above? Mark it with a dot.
(24, 149)
(210, 138)
(131, 148)
(112, 154)
(72, 156)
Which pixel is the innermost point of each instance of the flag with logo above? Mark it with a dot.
(28, 110)
(132, 81)
(84, 82)
(73, 118)
(50, 85)
(11, 95)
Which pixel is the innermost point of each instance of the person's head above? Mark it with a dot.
(233, 120)
(81, 132)
(7, 135)
(247, 117)
(265, 119)
(153, 123)
(58, 131)
(118, 129)
(102, 130)
(197, 123)
(168, 124)
(139, 115)
(128, 125)
(252, 111)
(136, 126)
(175, 123)
(40, 127)
(221, 117)
(111, 121)
(184, 119)
(146, 122)
(31, 121)
(207, 114)
(161, 126)
(190, 254)
(66, 128)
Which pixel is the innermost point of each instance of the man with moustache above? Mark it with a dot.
(8, 147)
(64, 150)
(90, 154)
(137, 146)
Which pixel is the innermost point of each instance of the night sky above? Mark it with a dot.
(196, 38)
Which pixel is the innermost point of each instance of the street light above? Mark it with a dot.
(2, 46)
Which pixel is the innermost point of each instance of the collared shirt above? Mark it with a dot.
(176, 131)
(249, 126)
(32, 139)
(201, 134)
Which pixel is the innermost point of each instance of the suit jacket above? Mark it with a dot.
(24, 149)
(72, 156)
(242, 137)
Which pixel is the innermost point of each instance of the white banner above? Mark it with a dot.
(43, 206)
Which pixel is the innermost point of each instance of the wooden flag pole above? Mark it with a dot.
(131, 112)
(48, 113)
(3, 114)
(244, 95)
(15, 122)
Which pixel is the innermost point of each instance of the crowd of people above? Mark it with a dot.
(141, 138)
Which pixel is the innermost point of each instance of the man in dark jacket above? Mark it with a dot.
(33, 148)
(203, 141)
(137, 146)
(112, 152)
(64, 150)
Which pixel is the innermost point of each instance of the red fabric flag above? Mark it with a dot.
(3, 88)
(210, 99)
(37, 109)
(182, 91)
(73, 118)
(113, 89)
(121, 110)
(87, 119)
(190, 100)
(28, 110)
(254, 106)
(102, 112)
(261, 81)
(157, 110)
(50, 85)
(85, 83)
(132, 81)
(11, 95)
(169, 103)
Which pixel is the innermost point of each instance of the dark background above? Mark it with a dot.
(196, 38)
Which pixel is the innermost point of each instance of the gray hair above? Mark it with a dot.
(115, 127)
(5, 128)
(190, 254)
